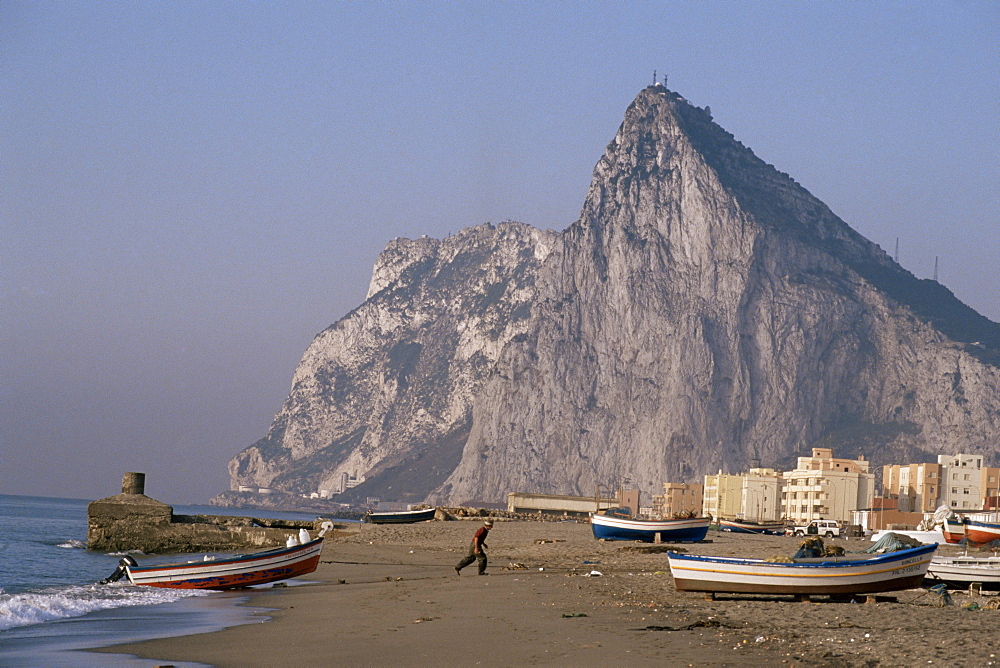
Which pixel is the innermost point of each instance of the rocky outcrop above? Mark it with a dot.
(703, 313)
(132, 521)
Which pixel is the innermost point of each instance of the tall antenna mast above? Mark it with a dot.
(935, 268)
(897, 250)
(654, 77)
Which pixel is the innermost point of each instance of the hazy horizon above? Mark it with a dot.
(192, 191)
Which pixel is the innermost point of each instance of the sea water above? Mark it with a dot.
(52, 603)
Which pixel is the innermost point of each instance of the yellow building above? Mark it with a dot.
(678, 498)
(754, 495)
(721, 496)
(916, 487)
(823, 487)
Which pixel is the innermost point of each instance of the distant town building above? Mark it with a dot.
(629, 498)
(557, 504)
(959, 481)
(915, 487)
(754, 495)
(721, 495)
(962, 481)
(824, 487)
(678, 498)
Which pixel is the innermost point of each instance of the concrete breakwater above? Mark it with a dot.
(133, 521)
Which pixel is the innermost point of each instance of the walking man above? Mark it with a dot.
(477, 550)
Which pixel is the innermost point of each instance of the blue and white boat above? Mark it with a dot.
(746, 526)
(610, 527)
(848, 574)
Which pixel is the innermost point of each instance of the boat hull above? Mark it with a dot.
(745, 527)
(981, 533)
(232, 573)
(953, 531)
(401, 517)
(893, 571)
(649, 531)
(964, 571)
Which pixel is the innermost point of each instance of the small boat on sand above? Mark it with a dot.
(227, 573)
(848, 574)
(400, 516)
(963, 571)
(748, 526)
(610, 527)
(953, 530)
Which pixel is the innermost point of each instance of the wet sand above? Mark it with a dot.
(388, 595)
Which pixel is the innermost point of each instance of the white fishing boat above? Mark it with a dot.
(965, 571)
(848, 574)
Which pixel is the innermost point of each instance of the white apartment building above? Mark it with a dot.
(961, 486)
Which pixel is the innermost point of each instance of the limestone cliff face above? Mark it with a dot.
(704, 312)
(387, 392)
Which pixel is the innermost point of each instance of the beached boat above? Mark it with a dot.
(953, 530)
(229, 572)
(609, 527)
(400, 516)
(963, 571)
(849, 574)
(977, 532)
(747, 526)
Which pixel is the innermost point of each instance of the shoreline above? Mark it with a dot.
(388, 595)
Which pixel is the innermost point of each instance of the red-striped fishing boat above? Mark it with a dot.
(977, 532)
(227, 573)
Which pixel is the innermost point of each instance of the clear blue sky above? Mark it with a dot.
(190, 191)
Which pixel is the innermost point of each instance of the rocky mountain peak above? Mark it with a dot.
(704, 311)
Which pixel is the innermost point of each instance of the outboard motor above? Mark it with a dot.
(120, 571)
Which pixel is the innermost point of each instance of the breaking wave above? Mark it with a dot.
(26, 608)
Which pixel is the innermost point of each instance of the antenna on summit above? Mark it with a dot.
(654, 77)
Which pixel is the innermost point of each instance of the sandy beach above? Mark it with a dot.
(389, 596)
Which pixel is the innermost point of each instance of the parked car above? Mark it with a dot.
(826, 528)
